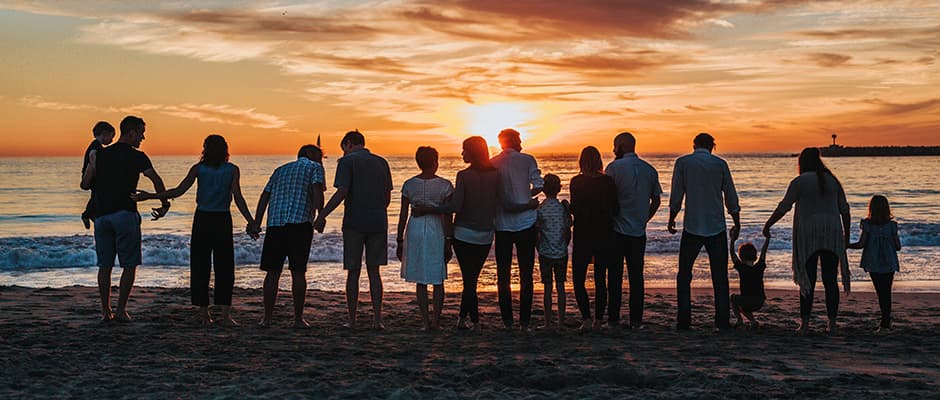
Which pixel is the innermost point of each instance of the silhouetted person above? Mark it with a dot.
(750, 269)
(520, 180)
(820, 233)
(705, 182)
(880, 243)
(211, 240)
(424, 240)
(115, 171)
(638, 199)
(594, 206)
(554, 234)
(364, 184)
(104, 135)
(292, 197)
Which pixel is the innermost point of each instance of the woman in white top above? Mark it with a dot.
(820, 234)
(423, 241)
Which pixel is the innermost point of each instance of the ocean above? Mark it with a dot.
(43, 243)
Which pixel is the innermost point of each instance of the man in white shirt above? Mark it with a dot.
(704, 180)
(639, 197)
(520, 180)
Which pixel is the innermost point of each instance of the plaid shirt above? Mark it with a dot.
(289, 187)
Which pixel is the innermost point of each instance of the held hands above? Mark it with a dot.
(671, 227)
(766, 231)
(400, 249)
(319, 224)
(735, 232)
(160, 212)
(253, 229)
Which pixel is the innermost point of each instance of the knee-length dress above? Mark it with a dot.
(423, 253)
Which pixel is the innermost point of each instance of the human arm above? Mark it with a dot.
(897, 237)
(844, 211)
(90, 170)
(860, 244)
(763, 250)
(783, 207)
(676, 195)
(402, 222)
(331, 205)
(158, 187)
(732, 203)
(178, 191)
(535, 179)
(447, 221)
(734, 255)
(238, 197)
(254, 229)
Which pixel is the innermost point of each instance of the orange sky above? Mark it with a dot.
(759, 75)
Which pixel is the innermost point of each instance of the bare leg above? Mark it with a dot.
(438, 307)
(127, 283)
(422, 292)
(737, 312)
(104, 292)
(227, 316)
(547, 302)
(204, 314)
(376, 290)
(352, 296)
(299, 292)
(271, 280)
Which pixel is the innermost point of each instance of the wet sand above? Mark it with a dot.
(54, 346)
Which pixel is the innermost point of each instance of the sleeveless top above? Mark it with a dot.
(214, 192)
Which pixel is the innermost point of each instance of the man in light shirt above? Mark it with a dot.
(520, 180)
(639, 197)
(704, 180)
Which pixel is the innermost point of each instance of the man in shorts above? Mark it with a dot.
(115, 171)
(364, 183)
(293, 197)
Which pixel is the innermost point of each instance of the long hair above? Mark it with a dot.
(879, 211)
(590, 161)
(810, 161)
(478, 152)
(214, 151)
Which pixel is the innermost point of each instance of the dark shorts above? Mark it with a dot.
(291, 241)
(118, 233)
(747, 303)
(553, 266)
(375, 245)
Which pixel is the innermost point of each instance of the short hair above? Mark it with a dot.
(130, 124)
(310, 152)
(214, 151)
(704, 141)
(101, 128)
(747, 251)
(510, 138)
(552, 184)
(623, 142)
(590, 160)
(426, 157)
(353, 138)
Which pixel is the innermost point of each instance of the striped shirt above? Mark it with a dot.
(289, 188)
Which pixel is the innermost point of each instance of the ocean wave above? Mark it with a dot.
(173, 249)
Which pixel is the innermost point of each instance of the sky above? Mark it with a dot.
(761, 75)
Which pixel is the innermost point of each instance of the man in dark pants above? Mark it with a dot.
(520, 179)
(705, 182)
(638, 196)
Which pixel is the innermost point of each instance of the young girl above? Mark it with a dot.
(212, 225)
(424, 241)
(881, 244)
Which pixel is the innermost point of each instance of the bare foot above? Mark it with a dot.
(350, 325)
(803, 329)
(585, 326)
(228, 322)
(301, 324)
(378, 326)
(265, 323)
(754, 325)
(525, 329)
(122, 316)
(832, 328)
(598, 324)
(462, 325)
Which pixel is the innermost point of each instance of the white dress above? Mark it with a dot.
(423, 252)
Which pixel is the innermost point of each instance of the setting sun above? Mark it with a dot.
(488, 119)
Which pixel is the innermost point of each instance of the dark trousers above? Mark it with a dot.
(830, 269)
(883, 284)
(608, 276)
(525, 254)
(212, 247)
(631, 249)
(717, 248)
(471, 258)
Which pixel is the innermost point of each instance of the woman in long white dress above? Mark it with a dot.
(424, 241)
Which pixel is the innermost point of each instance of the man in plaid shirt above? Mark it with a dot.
(293, 197)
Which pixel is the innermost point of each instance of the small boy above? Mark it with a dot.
(104, 135)
(751, 276)
(554, 234)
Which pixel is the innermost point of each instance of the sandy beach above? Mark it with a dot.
(54, 346)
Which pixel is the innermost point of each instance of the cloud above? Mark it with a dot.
(886, 108)
(829, 60)
(210, 113)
